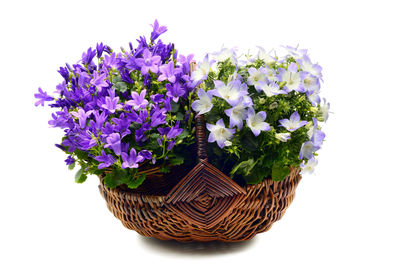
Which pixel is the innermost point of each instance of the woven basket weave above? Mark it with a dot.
(203, 205)
(200, 203)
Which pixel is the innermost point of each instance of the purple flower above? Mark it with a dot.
(171, 133)
(82, 116)
(70, 160)
(100, 118)
(99, 49)
(170, 145)
(131, 160)
(145, 154)
(138, 101)
(114, 140)
(293, 123)
(88, 56)
(111, 102)
(175, 91)
(148, 62)
(168, 72)
(107, 160)
(99, 81)
(110, 61)
(42, 96)
(157, 30)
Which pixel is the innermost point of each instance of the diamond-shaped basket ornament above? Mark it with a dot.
(204, 205)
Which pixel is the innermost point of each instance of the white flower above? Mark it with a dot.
(271, 74)
(228, 143)
(238, 113)
(313, 69)
(263, 55)
(270, 89)
(204, 104)
(256, 121)
(224, 54)
(309, 166)
(231, 92)
(202, 70)
(324, 110)
(293, 123)
(283, 137)
(256, 76)
(219, 133)
(291, 77)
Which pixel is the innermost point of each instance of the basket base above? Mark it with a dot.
(151, 215)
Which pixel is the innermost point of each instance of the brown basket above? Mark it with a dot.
(201, 204)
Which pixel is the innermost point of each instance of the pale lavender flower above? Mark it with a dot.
(308, 66)
(292, 78)
(316, 136)
(270, 89)
(204, 104)
(309, 166)
(283, 137)
(256, 122)
(293, 123)
(111, 102)
(257, 76)
(219, 133)
(307, 150)
(238, 113)
(231, 92)
(202, 70)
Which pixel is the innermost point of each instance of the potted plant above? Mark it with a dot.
(212, 152)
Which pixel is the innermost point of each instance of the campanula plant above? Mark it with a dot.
(124, 110)
(263, 112)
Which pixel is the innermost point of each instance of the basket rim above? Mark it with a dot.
(126, 194)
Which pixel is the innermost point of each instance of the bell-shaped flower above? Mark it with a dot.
(307, 150)
(203, 104)
(219, 133)
(138, 101)
(148, 62)
(256, 122)
(257, 76)
(82, 116)
(168, 72)
(202, 70)
(107, 160)
(231, 92)
(316, 136)
(238, 113)
(270, 89)
(292, 78)
(131, 160)
(308, 66)
(283, 137)
(114, 141)
(293, 123)
(309, 166)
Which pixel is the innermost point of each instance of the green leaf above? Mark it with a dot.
(179, 116)
(249, 142)
(71, 166)
(244, 167)
(279, 172)
(177, 160)
(174, 107)
(165, 169)
(121, 86)
(80, 177)
(135, 183)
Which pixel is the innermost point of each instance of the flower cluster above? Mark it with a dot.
(122, 110)
(262, 112)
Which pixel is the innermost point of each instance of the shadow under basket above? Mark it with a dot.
(200, 203)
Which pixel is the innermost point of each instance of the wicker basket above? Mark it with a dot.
(201, 204)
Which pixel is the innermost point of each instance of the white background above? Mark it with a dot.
(347, 214)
